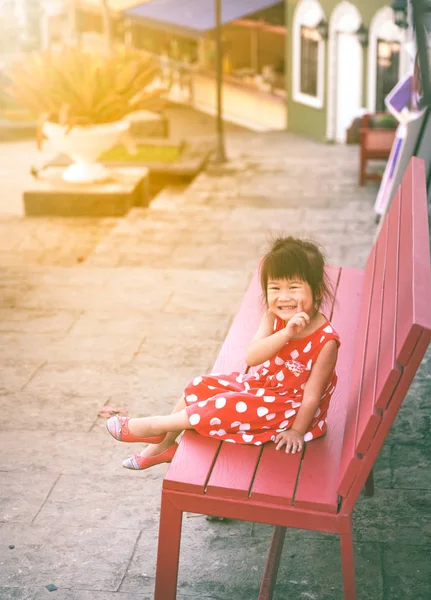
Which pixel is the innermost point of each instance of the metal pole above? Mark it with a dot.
(220, 154)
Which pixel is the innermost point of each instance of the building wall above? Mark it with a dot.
(305, 119)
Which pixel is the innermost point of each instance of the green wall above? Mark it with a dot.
(305, 119)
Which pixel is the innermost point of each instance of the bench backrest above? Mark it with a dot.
(394, 328)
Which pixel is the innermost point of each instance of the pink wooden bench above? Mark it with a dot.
(383, 317)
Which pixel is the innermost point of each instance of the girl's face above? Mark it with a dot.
(284, 294)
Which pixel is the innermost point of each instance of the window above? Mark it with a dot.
(388, 64)
(309, 56)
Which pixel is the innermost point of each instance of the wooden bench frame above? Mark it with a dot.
(384, 322)
(375, 143)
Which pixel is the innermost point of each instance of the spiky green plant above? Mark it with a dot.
(78, 87)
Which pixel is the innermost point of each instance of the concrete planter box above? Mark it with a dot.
(192, 159)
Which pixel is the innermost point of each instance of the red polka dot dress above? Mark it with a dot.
(252, 408)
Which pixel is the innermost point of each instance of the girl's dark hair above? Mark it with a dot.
(291, 257)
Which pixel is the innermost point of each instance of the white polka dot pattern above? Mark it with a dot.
(266, 400)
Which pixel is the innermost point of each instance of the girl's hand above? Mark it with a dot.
(298, 322)
(293, 441)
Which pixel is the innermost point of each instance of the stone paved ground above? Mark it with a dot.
(144, 310)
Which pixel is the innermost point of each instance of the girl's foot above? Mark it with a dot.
(138, 462)
(118, 427)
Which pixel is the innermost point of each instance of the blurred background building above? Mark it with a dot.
(311, 66)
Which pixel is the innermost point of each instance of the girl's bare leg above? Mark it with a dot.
(153, 449)
(149, 426)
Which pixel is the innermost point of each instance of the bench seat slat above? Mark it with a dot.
(347, 466)
(369, 419)
(413, 284)
(388, 372)
(191, 467)
(317, 486)
(276, 476)
(233, 471)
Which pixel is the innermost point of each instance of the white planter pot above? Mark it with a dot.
(84, 145)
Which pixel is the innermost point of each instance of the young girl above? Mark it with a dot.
(286, 400)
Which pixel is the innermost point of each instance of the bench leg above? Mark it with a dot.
(348, 564)
(272, 563)
(369, 484)
(168, 553)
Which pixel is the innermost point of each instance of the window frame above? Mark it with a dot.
(308, 14)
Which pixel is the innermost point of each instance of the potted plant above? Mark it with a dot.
(81, 99)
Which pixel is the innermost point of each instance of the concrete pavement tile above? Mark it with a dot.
(393, 515)
(61, 348)
(67, 556)
(383, 468)
(50, 321)
(134, 380)
(131, 277)
(90, 502)
(313, 570)
(411, 468)
(232, 258)
(185, 256)
(196, 576)
(22, 495)
(197, 353)
(157, 326)
(215, 281)
(264, 220)
(55, 412)
(17, 373)
(63, 276)
(70, 453)
(201, 298)
(63, 593)
(94, 297)
(407, 572)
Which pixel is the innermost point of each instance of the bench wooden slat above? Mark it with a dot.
(243, 328)
(414, 261)
(276, 476)
(369, 418)
(388, 418)
(412, 314)
(388, 372)
(348, 455)
(317, 486)
(192, 463)
(233, 471)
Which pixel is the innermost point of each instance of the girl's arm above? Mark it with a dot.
(316, 383)
(265, 342)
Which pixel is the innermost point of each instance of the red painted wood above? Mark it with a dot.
(258, 512)
(369, 419)
(233, 471)
(243, 328)
(272, 563)
(168, 550)
(413, 285)
(388, 372)
(276, 476)
(348, 565)
(389, 415)
(348, 456)
(317, 487)
(192, 463)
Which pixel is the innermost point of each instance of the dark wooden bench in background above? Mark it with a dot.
(383, 316)
(375, 144)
